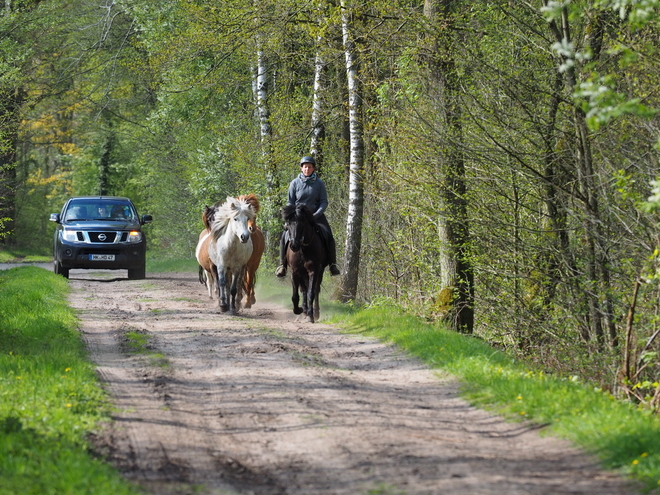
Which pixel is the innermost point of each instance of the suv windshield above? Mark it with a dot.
(99, 210)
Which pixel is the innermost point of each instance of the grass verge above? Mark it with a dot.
(21, 256)
(625, 438)
(50, 399)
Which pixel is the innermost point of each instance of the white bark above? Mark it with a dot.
(349, 280)
(318, 125)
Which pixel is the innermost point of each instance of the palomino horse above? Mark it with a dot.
(206, 266)
(258, 246)
(307, 257)
(230, 249)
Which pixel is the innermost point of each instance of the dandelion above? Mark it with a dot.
(635, 462)
(645, 454)
(522, 413)
(519, 397)
(68, 405)
(66, 370)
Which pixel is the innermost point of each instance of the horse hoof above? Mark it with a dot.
(297, 311)
(310, 319)
(224, 309)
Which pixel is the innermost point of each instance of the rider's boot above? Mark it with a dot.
(280, 271)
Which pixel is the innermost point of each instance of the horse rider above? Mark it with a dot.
(308, 189)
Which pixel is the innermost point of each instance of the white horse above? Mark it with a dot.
(230, 249)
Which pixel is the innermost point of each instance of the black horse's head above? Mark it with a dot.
(300, 223)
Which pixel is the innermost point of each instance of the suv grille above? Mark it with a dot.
(108, 237)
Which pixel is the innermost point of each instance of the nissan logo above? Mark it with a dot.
(102, 237)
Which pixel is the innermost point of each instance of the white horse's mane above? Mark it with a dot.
(227, 211)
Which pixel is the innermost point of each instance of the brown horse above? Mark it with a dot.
(250, 278)
(207, 269)
(258, 246)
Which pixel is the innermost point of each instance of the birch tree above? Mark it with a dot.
(271, 201)
(349, 280)
(318, 122)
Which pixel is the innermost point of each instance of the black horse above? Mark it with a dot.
(307, 257)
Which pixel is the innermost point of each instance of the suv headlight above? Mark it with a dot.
(134, 237)
(69, 235)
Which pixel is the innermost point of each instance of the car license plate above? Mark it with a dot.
(102, 257)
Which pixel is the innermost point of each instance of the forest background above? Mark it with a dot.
(489, 163)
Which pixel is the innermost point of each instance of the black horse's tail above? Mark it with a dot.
(202, 275)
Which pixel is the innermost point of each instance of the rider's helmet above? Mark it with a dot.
(307, 159)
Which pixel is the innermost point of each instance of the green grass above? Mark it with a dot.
(50, 399)
(625, 438)
(159, 266)
(22, 256)
(137, 342)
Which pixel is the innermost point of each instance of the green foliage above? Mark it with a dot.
(158, 105)
(602, 104)
(50, 399)
(624, 437)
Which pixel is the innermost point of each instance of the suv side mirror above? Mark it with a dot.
(55, 217)
(146, 219)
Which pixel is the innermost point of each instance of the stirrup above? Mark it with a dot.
(280, 271)
(334, 269)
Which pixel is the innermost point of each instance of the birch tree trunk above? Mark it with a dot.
(318, 122)
(271, 203)
(349, 282)
(263, 112)
(457, 274)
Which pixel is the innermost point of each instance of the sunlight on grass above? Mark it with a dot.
(625, 438)
(20, 256)
(177, 265)
(49, 395)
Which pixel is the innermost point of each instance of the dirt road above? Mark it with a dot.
(262, 403)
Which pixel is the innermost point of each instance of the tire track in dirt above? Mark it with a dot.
(262, 403)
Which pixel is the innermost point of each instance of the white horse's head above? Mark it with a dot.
(232, 218)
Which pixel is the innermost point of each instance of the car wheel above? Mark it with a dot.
(137, 273)
(60, 270)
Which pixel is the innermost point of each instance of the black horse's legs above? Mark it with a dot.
(295, 298)
(317, 310)
(310, 296)
(305, 302)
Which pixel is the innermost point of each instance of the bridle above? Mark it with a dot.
(302, 239)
